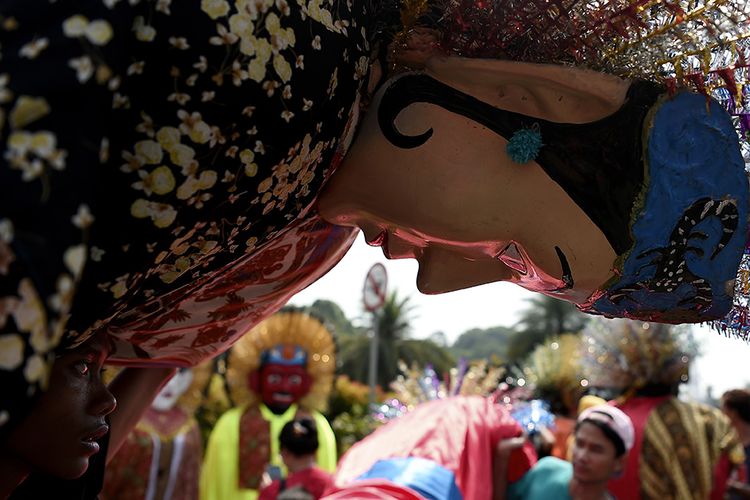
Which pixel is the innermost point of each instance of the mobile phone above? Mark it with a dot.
(273, 471)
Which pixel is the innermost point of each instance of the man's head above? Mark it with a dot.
(604, 435)
(736, 405)
(299, 437)
(59, 436)
(298, 442)
(282, 378)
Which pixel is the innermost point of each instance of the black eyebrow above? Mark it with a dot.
(567, 276)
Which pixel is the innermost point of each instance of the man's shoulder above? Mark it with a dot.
(549, 478)
(312, 474)
(696, 411)
(551, 473)
(554, 464)
(313, 479)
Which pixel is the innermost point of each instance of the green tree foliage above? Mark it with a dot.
(439, 338)
(545, 317)
(352, 426)
(482, 343)
(394, 326)
(333, 315)
(427, 352)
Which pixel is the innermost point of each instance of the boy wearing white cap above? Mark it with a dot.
(604, 435)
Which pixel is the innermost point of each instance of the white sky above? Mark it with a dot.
(724, 365)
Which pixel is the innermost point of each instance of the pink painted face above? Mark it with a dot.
(459, 205)
(283, 385)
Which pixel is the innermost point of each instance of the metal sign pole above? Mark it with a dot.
(373, 372)
(373, 298)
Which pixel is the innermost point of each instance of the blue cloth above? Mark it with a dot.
(688, 242)
(548, 479)
(428, 478)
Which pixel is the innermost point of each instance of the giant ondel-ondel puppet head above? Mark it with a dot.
(585, 150)
(289, 358)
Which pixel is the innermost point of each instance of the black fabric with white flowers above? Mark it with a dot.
(146, 142)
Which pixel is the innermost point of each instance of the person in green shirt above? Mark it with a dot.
(603, 437)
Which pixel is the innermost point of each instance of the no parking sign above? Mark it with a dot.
(374, 291)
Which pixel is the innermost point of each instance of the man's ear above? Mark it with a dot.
(619, 466)
(552, 92)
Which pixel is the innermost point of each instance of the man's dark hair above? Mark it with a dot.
(299, 437)
(739, 401)
(608, 432)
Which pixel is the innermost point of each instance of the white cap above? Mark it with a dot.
(614, 419)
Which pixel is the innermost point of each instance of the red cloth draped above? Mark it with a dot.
(458, 433)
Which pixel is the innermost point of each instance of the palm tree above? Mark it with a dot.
(545, 317)
(393, 322)
(333, 316)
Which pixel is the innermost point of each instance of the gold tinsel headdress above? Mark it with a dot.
(290, 328)
(414, 385)
(630, 355)
(652, 39)
(700, 44)
(553, 371)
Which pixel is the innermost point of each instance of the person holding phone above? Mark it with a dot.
(298, 442)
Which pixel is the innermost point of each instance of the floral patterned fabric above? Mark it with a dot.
(255, 448)
(150, 146)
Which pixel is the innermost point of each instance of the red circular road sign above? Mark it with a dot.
(376, 282)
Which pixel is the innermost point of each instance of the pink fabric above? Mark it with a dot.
(458, 433)
(204, 318)
(314, 480)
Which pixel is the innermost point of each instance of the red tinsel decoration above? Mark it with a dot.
(698, 81)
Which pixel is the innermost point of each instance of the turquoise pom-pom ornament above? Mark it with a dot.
(525, 144)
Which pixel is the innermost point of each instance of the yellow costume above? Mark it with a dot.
(220, 475)
(245, 439)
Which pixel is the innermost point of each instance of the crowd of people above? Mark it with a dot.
(645, 443)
